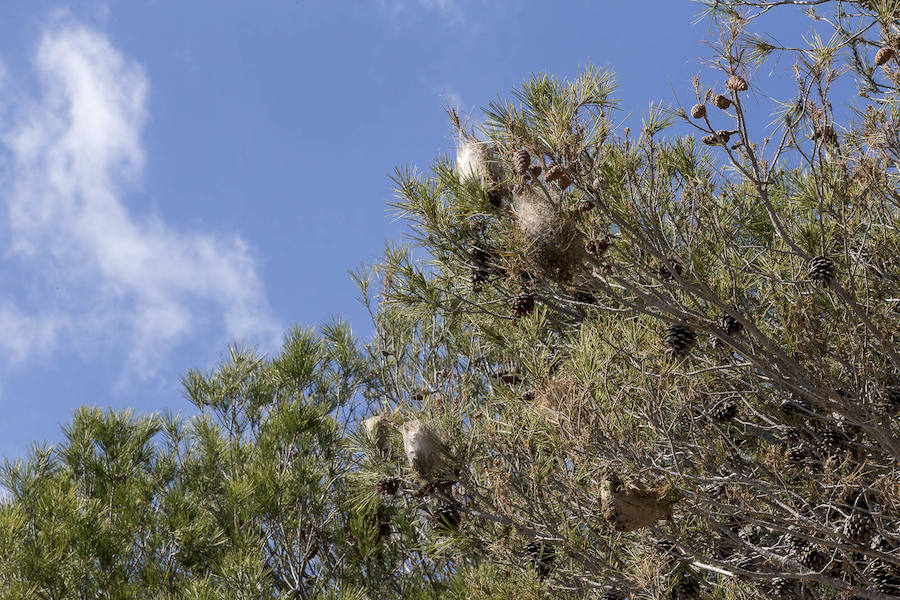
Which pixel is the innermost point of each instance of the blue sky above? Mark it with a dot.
(178, 175)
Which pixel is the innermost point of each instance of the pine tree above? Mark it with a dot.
(632, 385)
(249, 498)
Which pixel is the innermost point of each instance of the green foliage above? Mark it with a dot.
(248, 499)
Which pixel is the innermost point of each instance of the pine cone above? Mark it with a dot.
(542, 557)
(585, 206)
(480, 271)
(883, 55)
(782, 588)
(665, 270)
(710, 140)
(479, 256)
(884, 578)
(596, 247)
(612, 593)
(521, 161)
(687, 588)
(750, 533)
(698, 111)
(725, 411)
(478, 276)
(446, 519)
(821, 270)
(797, 453)
(679, 339)
(791, 409)
(796, 545)
(535, 171)
(723, 136)
(522, 305)
(384, 530)
(730, 325)
(893, 397)
(722, 102)
(812, 558)
(736, 83)
(827, 134)
(584, 297)
(556, 172)
(834, 441)
(715, 489)
(859, 527)
(388, 486)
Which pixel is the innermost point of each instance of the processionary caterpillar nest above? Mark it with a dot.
(423, 449)
(379, 430)
(553, 244)
(630, 509)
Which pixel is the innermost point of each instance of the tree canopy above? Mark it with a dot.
(649, 363)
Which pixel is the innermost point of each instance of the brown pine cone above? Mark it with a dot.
(557, 173)
(736, 83)
(722, 102)
(522, 304)
(585, 206)
(521, 161)
(698, 111)
(596, 247)
(884, 55)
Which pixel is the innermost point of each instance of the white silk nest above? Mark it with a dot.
(553, 244)
(423, 449)
(379, 430)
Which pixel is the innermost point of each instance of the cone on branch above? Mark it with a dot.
(522, 304)
(542, 556)
(883, 56)
(782, 588)
(884, 578)
(446, 518)
(737, 83)
(630, 509)
(596, 247)
(722, 102)
(822, 270)
(698, 111)
(834, 441)
(613, 593)
(521, 161)
(388, 486)
(668, 267)
(686, 587)
(557, 173)
(725, 411)
(730, 325)
(679, 339)
(859, 527)
(893, 398)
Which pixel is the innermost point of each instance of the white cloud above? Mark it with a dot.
(73, 152)
(450, 10)
(22, 335)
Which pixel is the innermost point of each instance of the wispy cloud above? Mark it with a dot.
(73, 151)
(450, 10)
